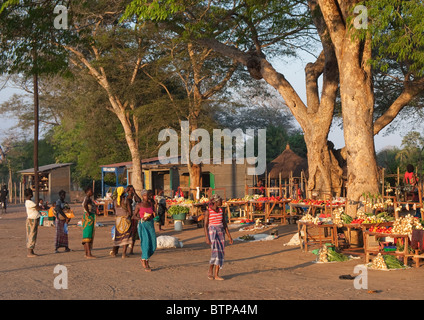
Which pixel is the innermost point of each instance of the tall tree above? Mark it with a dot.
(252, 33)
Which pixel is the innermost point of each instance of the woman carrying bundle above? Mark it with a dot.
(215, 229)
(123, 236)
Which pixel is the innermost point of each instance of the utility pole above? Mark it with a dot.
(36, 106)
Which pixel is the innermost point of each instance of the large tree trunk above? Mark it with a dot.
(325, 174)
(357, 108)
(357, 100)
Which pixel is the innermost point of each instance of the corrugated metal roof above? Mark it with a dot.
(46, 168)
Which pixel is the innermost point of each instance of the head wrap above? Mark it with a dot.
(120, 191)
(215, 198)
(143, 192)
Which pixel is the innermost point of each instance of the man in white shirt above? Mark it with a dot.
(32, 222)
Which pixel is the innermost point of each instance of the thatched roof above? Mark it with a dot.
(285, 163)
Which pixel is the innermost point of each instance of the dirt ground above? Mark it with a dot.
(261, 270)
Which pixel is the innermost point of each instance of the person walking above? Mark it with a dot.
(32, 222)
(215, 227)
(123, 236)
(3, 198)
(62, 222)
(146, 229)
(88, 222)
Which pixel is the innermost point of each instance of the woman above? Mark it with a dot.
(215, 228)
(32, 222)
(123, 236)
(135, 199)
(146, 229)
(88, 222)
(62, 222)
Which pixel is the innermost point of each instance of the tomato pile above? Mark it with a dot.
(381, 229)
(269, 198)
(357, 221)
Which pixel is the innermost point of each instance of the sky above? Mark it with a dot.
(293, 71)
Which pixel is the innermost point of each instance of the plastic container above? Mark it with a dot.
(178, 225)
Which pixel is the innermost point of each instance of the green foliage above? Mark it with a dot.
(30, 44)
(397, 31)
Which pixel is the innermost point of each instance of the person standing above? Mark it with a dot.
(32, 222)
(215, 228)
(161, 209)
(134, 200)
(88, 222)
(123, 236)
(3, 198)
(62, 222)
(146, 229)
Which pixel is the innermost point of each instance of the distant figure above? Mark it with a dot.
(32, 222)
(88, 222)
(62, 222)
(3, 198)
(161, 209)
(43, 206)
(409, 177)
(260, 189)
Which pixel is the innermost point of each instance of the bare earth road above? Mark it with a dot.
(262, 270)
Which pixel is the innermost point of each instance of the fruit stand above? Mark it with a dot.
(311, 233)
(252, 207)
(373, 247)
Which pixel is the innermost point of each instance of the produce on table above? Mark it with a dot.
(177, 209)
(405, 225)
(309, 218)
(378, 229)
(323, 254)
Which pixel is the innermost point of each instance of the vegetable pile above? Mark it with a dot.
(178, 209)
(326, 255)
(386, 262)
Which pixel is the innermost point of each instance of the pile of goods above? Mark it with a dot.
(327, 203)
(379, 229)
(405, 225)
(271, 199)
(330, 255)
(309, 218)
(178, 209)
(363, 218)
(386, 262)
(247, 237)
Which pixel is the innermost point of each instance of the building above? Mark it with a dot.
(52, 179)
(228, 180)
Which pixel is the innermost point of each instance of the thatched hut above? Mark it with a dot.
(286, 167)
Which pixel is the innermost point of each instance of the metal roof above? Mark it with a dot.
(48, 167)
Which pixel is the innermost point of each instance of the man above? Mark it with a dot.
(3, 198)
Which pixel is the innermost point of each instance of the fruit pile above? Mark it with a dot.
(381, 229)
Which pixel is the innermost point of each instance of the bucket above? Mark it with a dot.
(178, 225)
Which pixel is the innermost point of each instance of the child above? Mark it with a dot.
(32, 222)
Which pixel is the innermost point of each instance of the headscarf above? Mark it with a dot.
(215, 198)
(120, 191)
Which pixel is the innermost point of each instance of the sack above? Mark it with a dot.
(113, 232)
(65, 228)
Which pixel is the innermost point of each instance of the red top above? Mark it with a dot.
(143, 210)
(215, 218)
(409, 177)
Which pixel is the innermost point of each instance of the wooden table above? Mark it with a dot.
(312, 233)
(105, 203)
(242, 208)
(371, 248)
